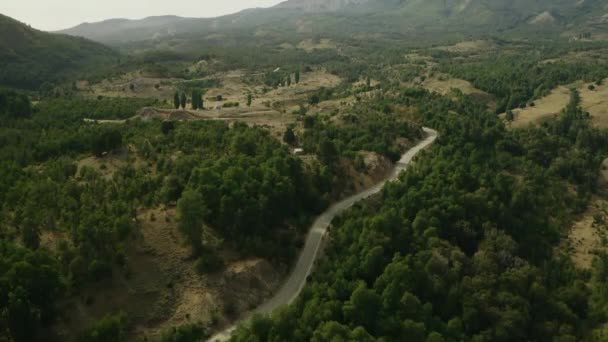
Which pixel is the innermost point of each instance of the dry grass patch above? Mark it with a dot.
(445, 85)
(135, 84)
(469, 46)
(310, 45)
(595, 101)
(586, 236)
(543, 109)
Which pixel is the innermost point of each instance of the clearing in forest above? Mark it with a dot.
(310, 45)
(469, 46)
(588, 233)
(445, 85)
(595, 101)
(543, 109)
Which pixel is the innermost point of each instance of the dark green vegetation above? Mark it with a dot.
(238, 181)
(31, 58)
(464, 247)
(519, 78)
(461, 248)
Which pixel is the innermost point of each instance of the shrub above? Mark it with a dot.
(209, 262)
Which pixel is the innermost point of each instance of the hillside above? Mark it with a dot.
(345, 17)
(31, 57)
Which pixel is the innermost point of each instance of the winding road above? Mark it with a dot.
(297, 279)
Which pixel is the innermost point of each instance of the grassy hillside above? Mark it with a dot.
(30, 57)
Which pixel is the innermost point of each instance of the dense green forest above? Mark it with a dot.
(235, 179)
(467, 245)
(461, 248)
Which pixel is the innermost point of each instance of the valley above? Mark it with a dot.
(314, 171)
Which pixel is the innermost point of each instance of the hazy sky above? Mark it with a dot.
(60, 14)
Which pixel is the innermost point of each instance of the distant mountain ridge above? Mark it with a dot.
(320, 5)
(110, 30)
(392, 16)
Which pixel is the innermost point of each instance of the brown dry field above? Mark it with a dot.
(270, 108)
(596, 103)
(444, 85)
(593, 101)
(144, 87)
(544, 108)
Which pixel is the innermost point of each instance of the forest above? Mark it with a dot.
(236, 180)
(467, 245)
(462, 247)
(520, 78)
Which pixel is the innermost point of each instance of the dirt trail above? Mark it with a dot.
(296, 281)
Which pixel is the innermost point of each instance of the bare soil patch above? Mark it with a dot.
(159, 287)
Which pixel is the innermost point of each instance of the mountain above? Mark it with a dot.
(119, 30)
(347, 17)
(321, 5)
(31, 57)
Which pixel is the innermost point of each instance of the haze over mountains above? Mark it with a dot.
(384, 16)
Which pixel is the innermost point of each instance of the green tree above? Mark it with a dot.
(183, 100)
(327, 151)
(363, 307)
(167, 126)
(297, 76)
(191, 213)
(176, 100)
(195, 98)
(201, 102)
(30, 235)
(249, 100)
(184, 333)
(110, 328)
(106, 141)
(288, 80)
(289, 137)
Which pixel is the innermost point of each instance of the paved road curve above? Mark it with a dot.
(296, 281)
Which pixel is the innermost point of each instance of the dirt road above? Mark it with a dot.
(296, 281)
